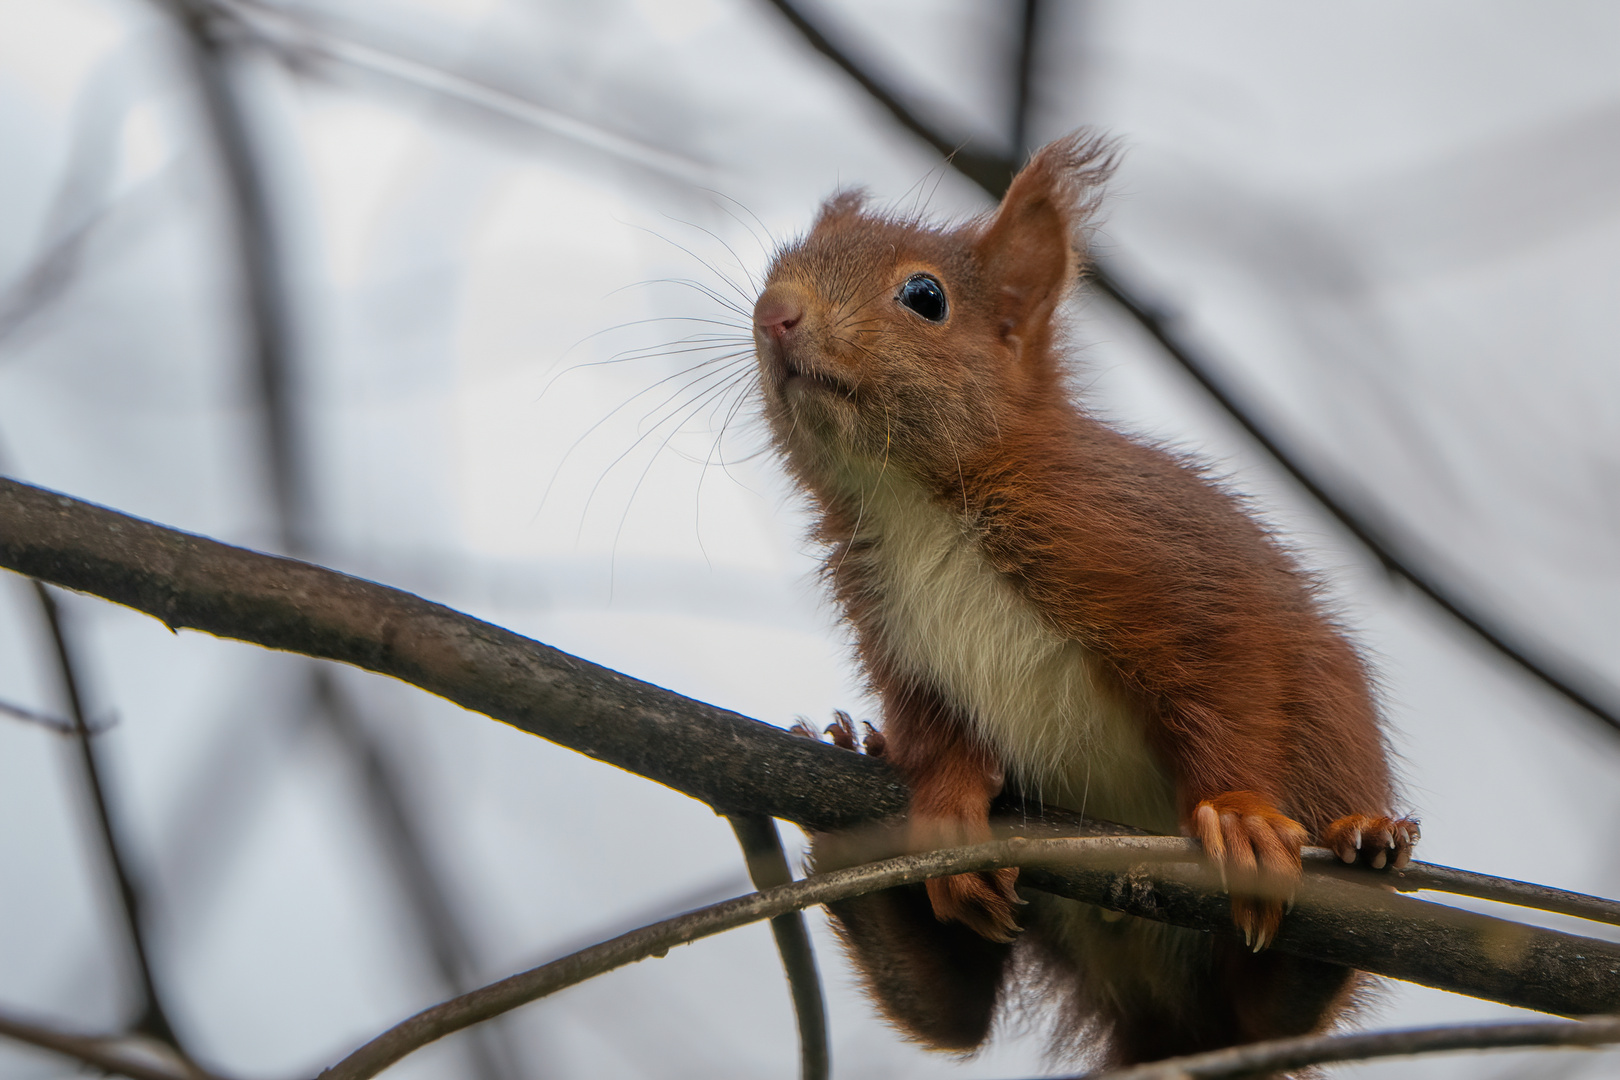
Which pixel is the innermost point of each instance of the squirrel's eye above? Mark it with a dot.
(924, 295)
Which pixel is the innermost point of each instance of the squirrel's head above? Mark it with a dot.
(893, 342)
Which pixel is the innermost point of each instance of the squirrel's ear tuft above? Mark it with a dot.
(1031, 248)
(843, 204)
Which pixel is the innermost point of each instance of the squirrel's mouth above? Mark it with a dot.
(792, 374)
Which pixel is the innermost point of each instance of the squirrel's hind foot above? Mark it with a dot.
(985, 903)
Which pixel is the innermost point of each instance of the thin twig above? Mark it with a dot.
(657, 939)
(1414, 877)
(1297, 1053)
(1396, 555)
(55, 268)
(57, 724)
(109, 1053)
(734, 764)
(153, 1019)
(989, 170)
(45, 720)
(449, 949)
(83, 205)
(296, 39)
(1432, 877)
(768, 869)
(266, 310)
(1024, 76)
(58, 264)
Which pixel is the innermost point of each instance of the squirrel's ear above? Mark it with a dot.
(1031, 248)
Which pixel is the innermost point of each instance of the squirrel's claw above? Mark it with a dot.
(1256, 849)
(802, 727)
(1374, 841)
(842, 734)
(874, 744)
(842, 730)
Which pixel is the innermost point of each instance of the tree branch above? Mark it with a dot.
(422, 889)
(153, 1019)
(1264, 1057)
(734, 764)
(657, 939)
(991, 171)
(727, 760)
(44, 720)
(767, 869)
(1024, 76)
(213, 56)
(1430, 877)
(109, 1053)
(265, 310)
(303, 43)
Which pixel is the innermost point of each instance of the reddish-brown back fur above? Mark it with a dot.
(1252, 701)
(1245, 684)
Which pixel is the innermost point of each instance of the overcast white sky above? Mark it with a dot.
(1395, 227)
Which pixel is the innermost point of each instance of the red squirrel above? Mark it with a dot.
(1039, 599)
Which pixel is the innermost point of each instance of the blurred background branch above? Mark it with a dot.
(118, 1055)
(767, 869)
(212, 43)
(151, 1018)
(308, 47)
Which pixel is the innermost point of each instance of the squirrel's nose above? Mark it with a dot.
(777, 313)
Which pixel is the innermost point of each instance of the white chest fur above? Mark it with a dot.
(952, 621)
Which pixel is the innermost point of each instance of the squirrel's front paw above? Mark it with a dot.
(1256, 847)
(842, 733)
(1376, 841)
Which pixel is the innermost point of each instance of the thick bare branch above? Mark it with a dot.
(734, 764)
(727, 760)
(1266, 1057)
(1382, 932)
